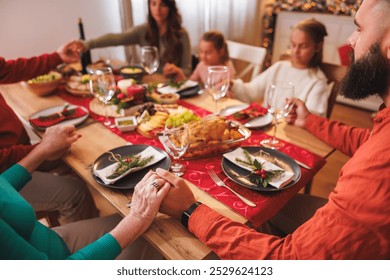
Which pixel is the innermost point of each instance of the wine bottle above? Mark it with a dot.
(85, 56)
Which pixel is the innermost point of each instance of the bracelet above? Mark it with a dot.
(186, 214)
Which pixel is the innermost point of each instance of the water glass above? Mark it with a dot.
(277, 100)
(102, 85)
(150, 59)
(176, 141)
(217, 83)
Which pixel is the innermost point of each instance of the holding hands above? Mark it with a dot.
(55, 143)
(70, 52)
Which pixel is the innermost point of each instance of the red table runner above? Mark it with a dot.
(267, 203)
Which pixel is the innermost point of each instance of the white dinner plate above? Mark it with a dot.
(169, 89)
(56, 109)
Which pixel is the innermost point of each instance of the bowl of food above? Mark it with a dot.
(126, 123)
(44, 84)
(132, 72)
(169, 98)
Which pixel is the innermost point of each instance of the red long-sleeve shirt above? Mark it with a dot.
(14, 141)
(354, 224)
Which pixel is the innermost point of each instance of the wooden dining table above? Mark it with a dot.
(166, 234)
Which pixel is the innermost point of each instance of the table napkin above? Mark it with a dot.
(253, 111)
(278, 182)
(55, 118)
(171, 89)
(107, 171)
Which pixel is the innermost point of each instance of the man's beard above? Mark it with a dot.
(367, 76)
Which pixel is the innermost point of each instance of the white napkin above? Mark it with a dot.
(107, 171)
(169, 89)
(278, 182)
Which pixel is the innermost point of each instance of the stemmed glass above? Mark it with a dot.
(176, 141)
(217, 83)
(278, 104)
(150, 59)
(102, 85)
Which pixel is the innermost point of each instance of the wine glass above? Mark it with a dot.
(276, 99)
(150, 59)
(176, 141)
(102, 85)
(217, 83)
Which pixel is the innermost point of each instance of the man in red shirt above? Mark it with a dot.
(355, 221)
(45, 191)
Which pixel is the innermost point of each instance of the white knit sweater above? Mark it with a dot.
(310, 85)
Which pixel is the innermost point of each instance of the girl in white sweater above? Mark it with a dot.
(303, 70)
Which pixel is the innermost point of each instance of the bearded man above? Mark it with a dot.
(354, 223)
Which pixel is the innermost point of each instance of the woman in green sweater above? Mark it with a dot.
(163, 30)
(23, 237)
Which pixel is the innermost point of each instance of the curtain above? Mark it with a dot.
(239, 20)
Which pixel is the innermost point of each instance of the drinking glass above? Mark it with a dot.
(150, 59)
(276, 99)
(217, 83)
(102, 85)
(176, 141)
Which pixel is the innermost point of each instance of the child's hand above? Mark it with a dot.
(172, 71)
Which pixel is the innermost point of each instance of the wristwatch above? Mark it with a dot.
(186, 214)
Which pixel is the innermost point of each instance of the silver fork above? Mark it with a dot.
(220, 183)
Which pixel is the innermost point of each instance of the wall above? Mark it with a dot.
(33, 27)
(339, 28)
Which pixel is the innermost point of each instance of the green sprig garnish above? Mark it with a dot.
(127, 163)
(263, 177)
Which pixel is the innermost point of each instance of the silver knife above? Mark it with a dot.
(302, 164)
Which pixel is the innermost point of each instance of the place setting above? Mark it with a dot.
(123, 167)
(63, 114)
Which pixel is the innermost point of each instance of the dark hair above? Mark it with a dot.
(219, 42)
(317, 31)
(171, 39)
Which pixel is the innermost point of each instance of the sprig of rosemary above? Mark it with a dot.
(263, 177)
(174, 84)
(126, 163)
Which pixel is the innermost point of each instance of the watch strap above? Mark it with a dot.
(186, 214)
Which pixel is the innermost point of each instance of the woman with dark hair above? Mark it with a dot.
(163, 30)
(303, 70)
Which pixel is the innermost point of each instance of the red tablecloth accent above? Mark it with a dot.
(268, 203)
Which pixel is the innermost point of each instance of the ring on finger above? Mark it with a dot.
(157, 186)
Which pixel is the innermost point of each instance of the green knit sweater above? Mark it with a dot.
(136, 36)
(23, 237)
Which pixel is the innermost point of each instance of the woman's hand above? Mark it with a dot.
(147, 197)
(179, 198)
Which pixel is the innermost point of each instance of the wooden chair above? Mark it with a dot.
(334, 73)
(249, 54)
(51, 217)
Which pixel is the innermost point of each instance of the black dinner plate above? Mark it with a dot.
(188, 92)
(129, 181)
(244, 177)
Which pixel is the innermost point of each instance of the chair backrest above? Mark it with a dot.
(334, 73)
(251, 54)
